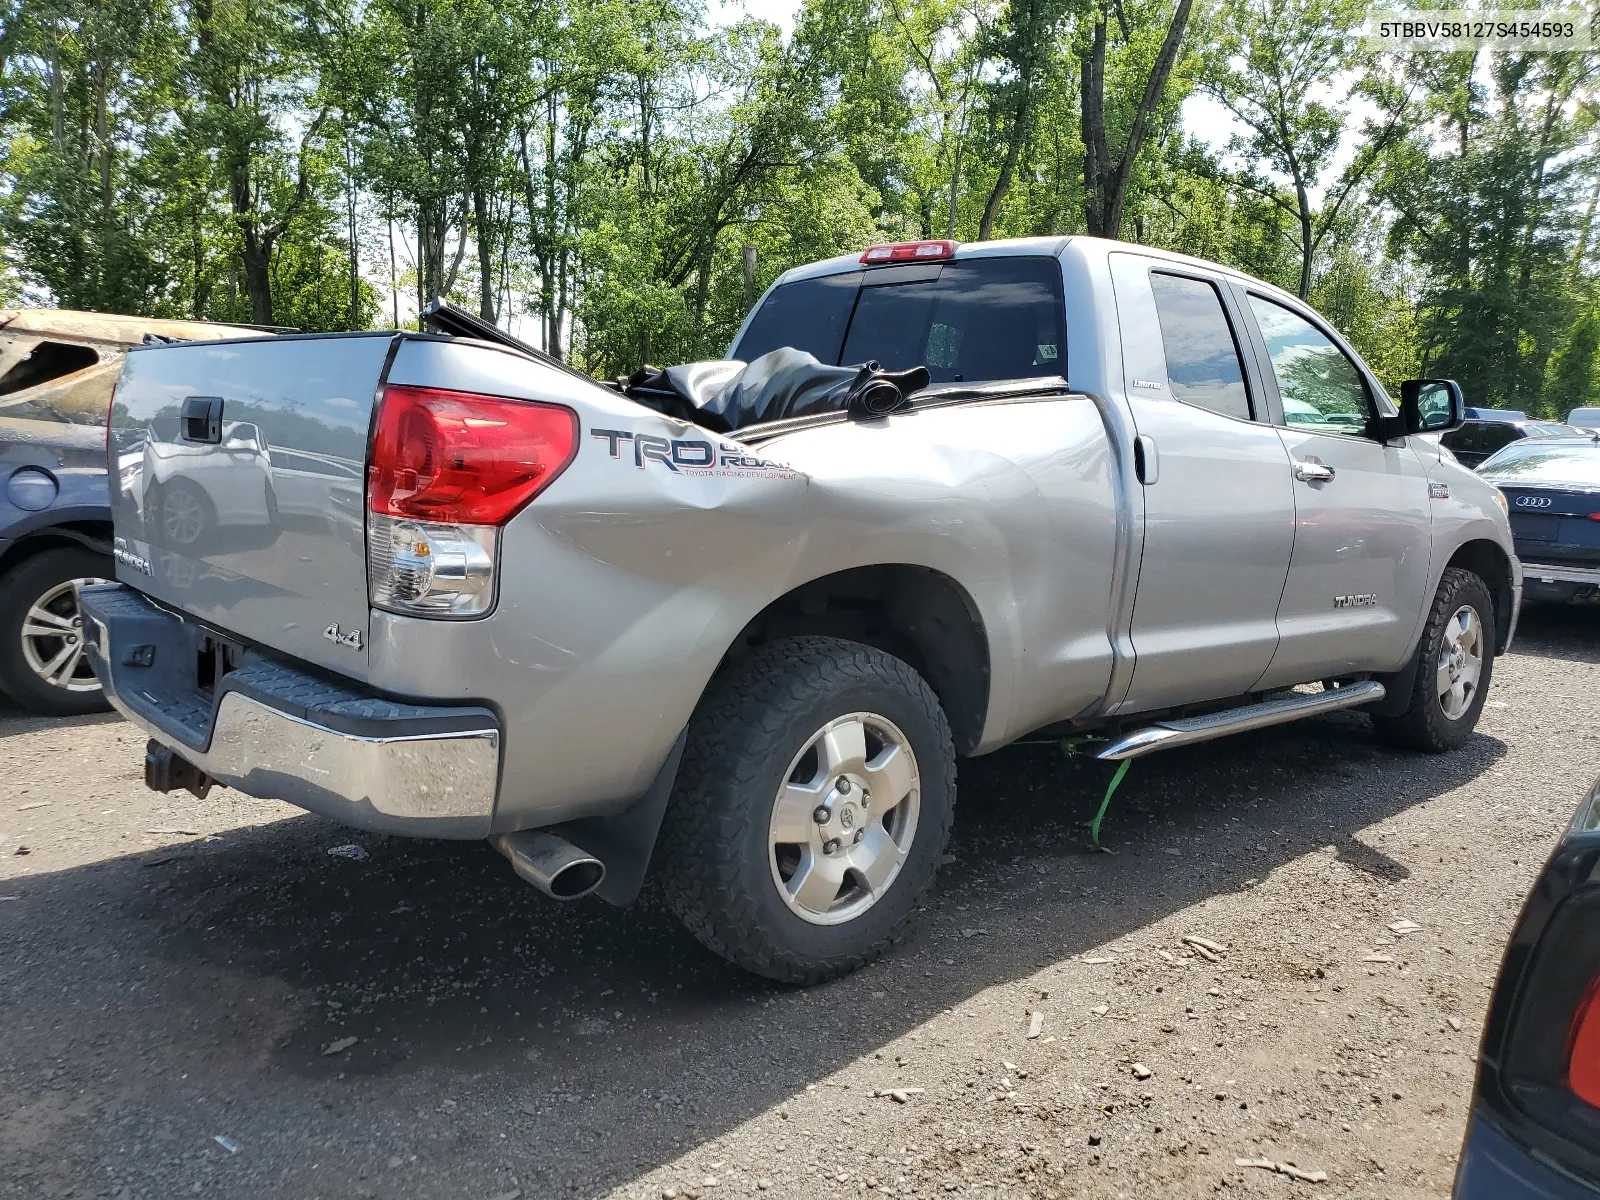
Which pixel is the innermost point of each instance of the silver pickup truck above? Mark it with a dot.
(1142, 497)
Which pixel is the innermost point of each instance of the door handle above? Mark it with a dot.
(202, 419)
(1146, 460)
(1312, 471)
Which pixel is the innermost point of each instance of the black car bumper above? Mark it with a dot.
(1495, 1167)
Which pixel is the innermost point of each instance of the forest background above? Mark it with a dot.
(617, 180)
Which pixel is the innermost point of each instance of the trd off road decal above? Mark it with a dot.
(692, 456)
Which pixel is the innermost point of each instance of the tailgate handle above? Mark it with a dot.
(202, 419)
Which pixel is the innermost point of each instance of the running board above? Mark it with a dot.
(1185, 731)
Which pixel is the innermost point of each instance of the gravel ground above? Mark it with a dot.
(202, 998)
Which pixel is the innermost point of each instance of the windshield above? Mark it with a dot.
(1571, 464)
(971, 321)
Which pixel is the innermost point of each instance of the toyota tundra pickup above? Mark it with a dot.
(474, 594)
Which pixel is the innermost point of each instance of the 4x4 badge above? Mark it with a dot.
(351, 639)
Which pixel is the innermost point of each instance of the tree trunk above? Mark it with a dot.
(482, 224)
(1105, 182)
(1586, 230)
(1303, 204)
(1092, 118)
(1027, 56)
(257, 259)
(1155, 88)
(350, 215)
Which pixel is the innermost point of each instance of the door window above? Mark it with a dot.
(1322, 390)
(1497, 434)
(1203, 366)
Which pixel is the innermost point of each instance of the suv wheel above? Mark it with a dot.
(1455, 661)
(42, 665)
(811, 809)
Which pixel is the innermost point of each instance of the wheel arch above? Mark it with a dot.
(919, 614)
(80, 535)
(1489, 562)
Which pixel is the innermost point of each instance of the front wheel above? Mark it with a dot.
(811, 810)
(1454, 662)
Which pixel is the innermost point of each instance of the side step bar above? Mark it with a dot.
(1185, 731)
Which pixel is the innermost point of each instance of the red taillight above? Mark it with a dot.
(893, 252)
(1594, 516)
(462, 458)
(1583, 1064)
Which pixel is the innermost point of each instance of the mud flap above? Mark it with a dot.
(1397, 689)
(625, 842)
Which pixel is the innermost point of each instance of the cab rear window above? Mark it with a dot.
(971, 321)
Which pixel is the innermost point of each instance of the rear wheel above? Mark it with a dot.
(811, 809)
(1455, 662)
(185, 514)
(42, 665)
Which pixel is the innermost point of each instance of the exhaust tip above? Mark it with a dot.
(578, 880)
(551, 863)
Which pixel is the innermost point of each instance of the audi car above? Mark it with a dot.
(1552, 490)
(1534, 1129)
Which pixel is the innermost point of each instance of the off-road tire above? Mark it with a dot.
(1423, 725)
(756, 716)
(20, 587)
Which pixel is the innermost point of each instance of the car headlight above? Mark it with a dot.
(1500, 499)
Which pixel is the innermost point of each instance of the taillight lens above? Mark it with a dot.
(463, 459)
(447, 470)
(1583, 1065)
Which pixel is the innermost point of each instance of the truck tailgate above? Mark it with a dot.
(238, 487)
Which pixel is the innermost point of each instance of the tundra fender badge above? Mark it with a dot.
(351, 639)
(125, 555)
(1438, 491)
(1364, 600)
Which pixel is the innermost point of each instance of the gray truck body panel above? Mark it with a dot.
(624, 585)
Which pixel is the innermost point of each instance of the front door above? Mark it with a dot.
(1362, 513)
(1218, 502)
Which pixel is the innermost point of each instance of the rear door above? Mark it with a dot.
(1363, 518)
(206, 520)
(1218, 506)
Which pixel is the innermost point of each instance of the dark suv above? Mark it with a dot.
(57, 370)
(1489, 431)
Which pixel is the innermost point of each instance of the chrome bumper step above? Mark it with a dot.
(1185, 731)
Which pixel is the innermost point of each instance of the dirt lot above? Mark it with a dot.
(177, 979)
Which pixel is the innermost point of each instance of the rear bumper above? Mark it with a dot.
(273, 731)
(1533, 572)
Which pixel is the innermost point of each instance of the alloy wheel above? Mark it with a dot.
(1460, 664)
(844, 819)
(52, 639)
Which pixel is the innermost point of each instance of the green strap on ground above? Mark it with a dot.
(1069, 747)
(1094, 825)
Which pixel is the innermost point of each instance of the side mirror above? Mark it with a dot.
(1432, 405)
